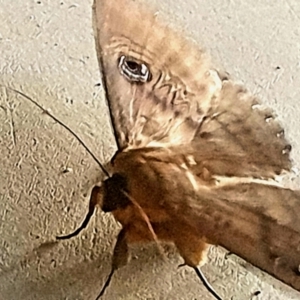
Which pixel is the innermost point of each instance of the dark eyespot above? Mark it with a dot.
(134, 70)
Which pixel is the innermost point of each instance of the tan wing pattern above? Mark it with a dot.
(181, 100)
(167, 108)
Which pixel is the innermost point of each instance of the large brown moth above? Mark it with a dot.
(196, 154)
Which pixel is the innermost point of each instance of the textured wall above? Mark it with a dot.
(47, 51)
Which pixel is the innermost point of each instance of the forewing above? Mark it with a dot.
(167, 108)
(182, 103)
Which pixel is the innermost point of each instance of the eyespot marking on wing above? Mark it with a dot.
(133, 70)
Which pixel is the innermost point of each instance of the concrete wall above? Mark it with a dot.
(47, 51)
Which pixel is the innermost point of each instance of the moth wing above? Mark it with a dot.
(147, 114)
(260, 221)
(182, 102)
(238, 137)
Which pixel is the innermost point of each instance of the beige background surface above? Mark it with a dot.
(47, 51)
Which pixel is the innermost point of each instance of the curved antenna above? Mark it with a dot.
(94, 200)
(63, 125)
(79, 229)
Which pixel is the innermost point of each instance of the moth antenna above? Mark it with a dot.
(93, 202)
(64, 126)
(78, 230)
(106, 284)
(206, 283)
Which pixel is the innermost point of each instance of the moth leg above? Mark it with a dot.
(120, 258)
(193, 250)
(206, 283)
(96, 198)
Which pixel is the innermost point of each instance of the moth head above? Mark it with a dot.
(134, 70)
(114, 193)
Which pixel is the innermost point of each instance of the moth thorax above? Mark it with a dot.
(114, 193)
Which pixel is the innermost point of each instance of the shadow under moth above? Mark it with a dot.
(197, 154)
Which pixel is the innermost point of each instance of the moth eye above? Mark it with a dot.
(133, 70)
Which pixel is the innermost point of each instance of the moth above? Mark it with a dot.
(196, 156)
